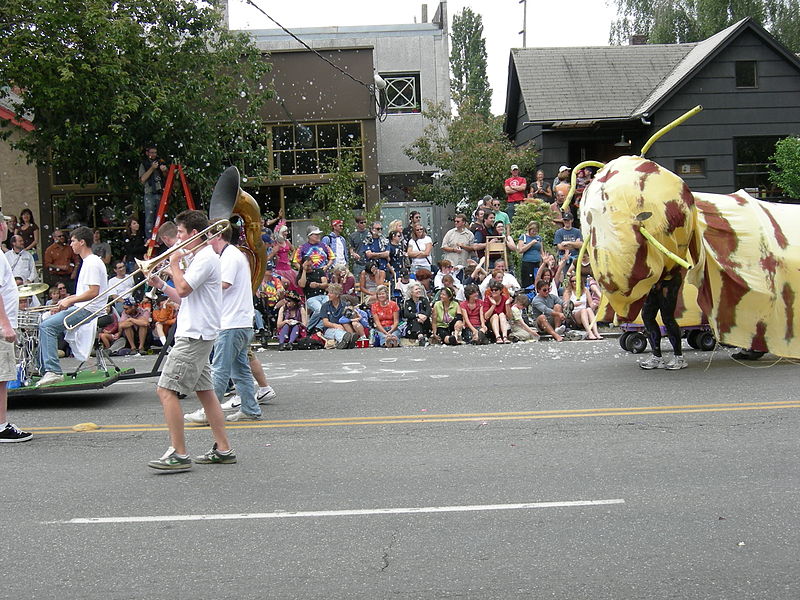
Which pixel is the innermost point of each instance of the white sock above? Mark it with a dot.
(3, 425)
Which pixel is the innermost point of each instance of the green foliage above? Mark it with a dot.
(469, 84)
(540, 212)
(677, 21)
(105, 79)
(471, 153)
(341, 195)
(787, 159)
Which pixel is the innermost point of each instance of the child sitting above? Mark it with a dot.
(520, 330)
(292, 321)
(164, 317)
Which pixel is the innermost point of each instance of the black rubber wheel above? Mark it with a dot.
(692, 338)
(636, 343)
(623, 340)
(706, 341)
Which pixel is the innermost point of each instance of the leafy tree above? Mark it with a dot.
(471, 153)
(677, 21)
(538, 211)
(105, 79)
(469, 84)
(787, 159)
(342, 194)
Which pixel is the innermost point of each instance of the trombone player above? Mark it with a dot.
(89, 297)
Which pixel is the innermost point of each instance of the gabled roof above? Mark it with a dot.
(616, 83)
(8, 99)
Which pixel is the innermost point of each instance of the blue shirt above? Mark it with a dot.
(534, 253)
(568, 235)
(375, 244)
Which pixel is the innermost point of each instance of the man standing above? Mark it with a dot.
(357, 238)
(314, 250)
(376, 247)
(336, 242)
(9, 304)
(199, 292)
(21, 261)
(90, 296)
(499, 215)
(414, 219)
(458, 242)
(568, 239)
(60, 261)
(515, 190)
(151, 175)
(101, 248)
(482, 230)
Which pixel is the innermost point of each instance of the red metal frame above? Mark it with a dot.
(162, 206)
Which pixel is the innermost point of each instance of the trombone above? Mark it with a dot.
(149, 267)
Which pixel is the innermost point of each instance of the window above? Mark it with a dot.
(690, 167)
(752, 164)
(746, 75)
(402, 93)
(310, 148)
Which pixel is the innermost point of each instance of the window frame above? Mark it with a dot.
(412, 107)
(736, 74)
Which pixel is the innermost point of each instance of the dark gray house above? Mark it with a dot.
(598, 103)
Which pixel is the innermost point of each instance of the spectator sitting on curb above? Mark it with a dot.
(520, 331)
(404, 283)
(509, 281)
(475, 329)
(448, 281)
(135, 319)
(580, 315)
(447, 268)
(331, 314)
(547, 312)
(165, 316)
(417, 314)
(370, 279)
(386, 320)
(425, 279)
(497, 310)
(292, 321)
(446, 318)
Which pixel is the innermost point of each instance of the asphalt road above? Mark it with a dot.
(663, 484)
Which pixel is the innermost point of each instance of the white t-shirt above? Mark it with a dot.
(93, 272)
(421, 245)
(511, 283)
(8, 292)
(121, 290)
(237, 300)
(199, 316)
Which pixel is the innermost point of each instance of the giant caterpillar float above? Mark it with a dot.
(642, 224)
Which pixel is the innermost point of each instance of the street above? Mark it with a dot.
(538, 470)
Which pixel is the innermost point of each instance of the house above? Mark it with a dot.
(579, 104)
(314, 98)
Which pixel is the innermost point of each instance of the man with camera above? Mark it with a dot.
(151, 174)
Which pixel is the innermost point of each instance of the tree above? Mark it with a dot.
(469, 84)
(678, 21)
(471, 153)
(787, 161)
(105, 79)
(341, 195)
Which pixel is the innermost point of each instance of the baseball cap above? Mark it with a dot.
(567, 216)
(337, 222)
(563, 168)
(130, 302)
(515, 167)
(314, 230)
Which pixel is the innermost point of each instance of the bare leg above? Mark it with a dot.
(173, 414)
(543, 323)
(3, 401)
(495, 323)
(142, 336)
(258, 372)
(215, 418)
(503, 324)
(128, 332)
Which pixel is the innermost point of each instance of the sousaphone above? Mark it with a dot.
(230, 200)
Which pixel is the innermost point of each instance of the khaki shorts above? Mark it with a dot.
(8, 361)
(187, 368)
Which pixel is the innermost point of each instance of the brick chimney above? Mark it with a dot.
(638, 39)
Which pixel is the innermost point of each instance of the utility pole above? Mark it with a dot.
(524, 31)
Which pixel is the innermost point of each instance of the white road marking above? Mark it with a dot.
(344, 513)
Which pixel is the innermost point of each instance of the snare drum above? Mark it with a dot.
(28, 320)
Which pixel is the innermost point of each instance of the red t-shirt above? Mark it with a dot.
(516, 196)
(473, 314)
(385, 314)
(490, 309)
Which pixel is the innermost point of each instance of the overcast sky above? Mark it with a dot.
(562, 23)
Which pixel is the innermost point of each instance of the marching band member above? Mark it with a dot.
(198, 289)
(89, 297)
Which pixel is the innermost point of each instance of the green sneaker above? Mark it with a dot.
(215, 457)
(171, 461)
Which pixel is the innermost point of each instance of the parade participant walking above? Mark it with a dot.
(9, 304)
(90, 296)
(199, 292)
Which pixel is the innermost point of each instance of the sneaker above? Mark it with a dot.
(198, 417)
(117, 345)
(677, 363)
(422, 340)
(233, 404)
(344, 344)
(215, 457)
(265, 394)
(171, 461)
(242, 416)
(561, 329)
(50, 378)
(13, 434)
(654, 362)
